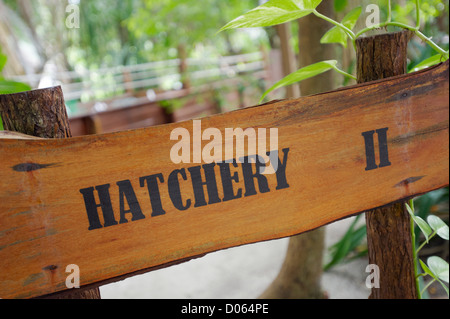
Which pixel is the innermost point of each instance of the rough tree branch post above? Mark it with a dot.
(116, 205)
(388, 228)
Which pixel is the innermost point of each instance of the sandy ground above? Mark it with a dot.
(238, 273)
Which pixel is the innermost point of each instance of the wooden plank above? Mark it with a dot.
(42, 114)
(325, 147)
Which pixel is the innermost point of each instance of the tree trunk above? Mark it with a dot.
(311, 30)
(288, 57)
(9, 44)
(301, 272)
(41, 113)
(26, 11)
(388, 228)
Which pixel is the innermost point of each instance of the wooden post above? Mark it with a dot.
(41, 113)
(388, 228)
(93, 124)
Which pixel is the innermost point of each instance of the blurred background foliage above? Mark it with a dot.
(130, 32)
(127, 32)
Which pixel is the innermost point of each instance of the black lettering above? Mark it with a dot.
(105, 205)
(153, 191)
(370, 149)
(249, 176)
(126, 192)
(174, 189)
(382, 146)
(281, 170)
(227, 181)
(210, 182)
(201, 176)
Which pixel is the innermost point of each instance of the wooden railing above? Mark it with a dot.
(87, 85)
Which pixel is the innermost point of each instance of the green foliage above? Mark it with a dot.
(340, 5)
(165, 25)
(305, 73)
(338, 35)
(3, 60)
(423, 226)
(352, 244)
(349, 247)
(277, 12)
(438, 226)
(9, 87)
(435, 59)
(128, 32)
(435, 266)
(104, 39)
(274, 12)
(427, 205)
(438, 269)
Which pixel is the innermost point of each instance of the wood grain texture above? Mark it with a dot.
(382, 56)
(388, 228)
(389, 249)
(43, 220)
(41, 113)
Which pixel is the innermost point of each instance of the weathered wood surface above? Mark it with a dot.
(388, 228)
(323, 142)
(42, 114)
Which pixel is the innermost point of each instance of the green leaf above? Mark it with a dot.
(426, 269)
(339, 5)
(445, 288)
(435, 276)
(3, 60)
(273, 12)
(435, 59)
(347, 244)
(424, 227)
(352, 17)
(303, 74)
(439, 267)
(336, 34)
(424, 203)
(9, 87)
(439, 226)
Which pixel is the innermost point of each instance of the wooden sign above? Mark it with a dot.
(117, 204)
